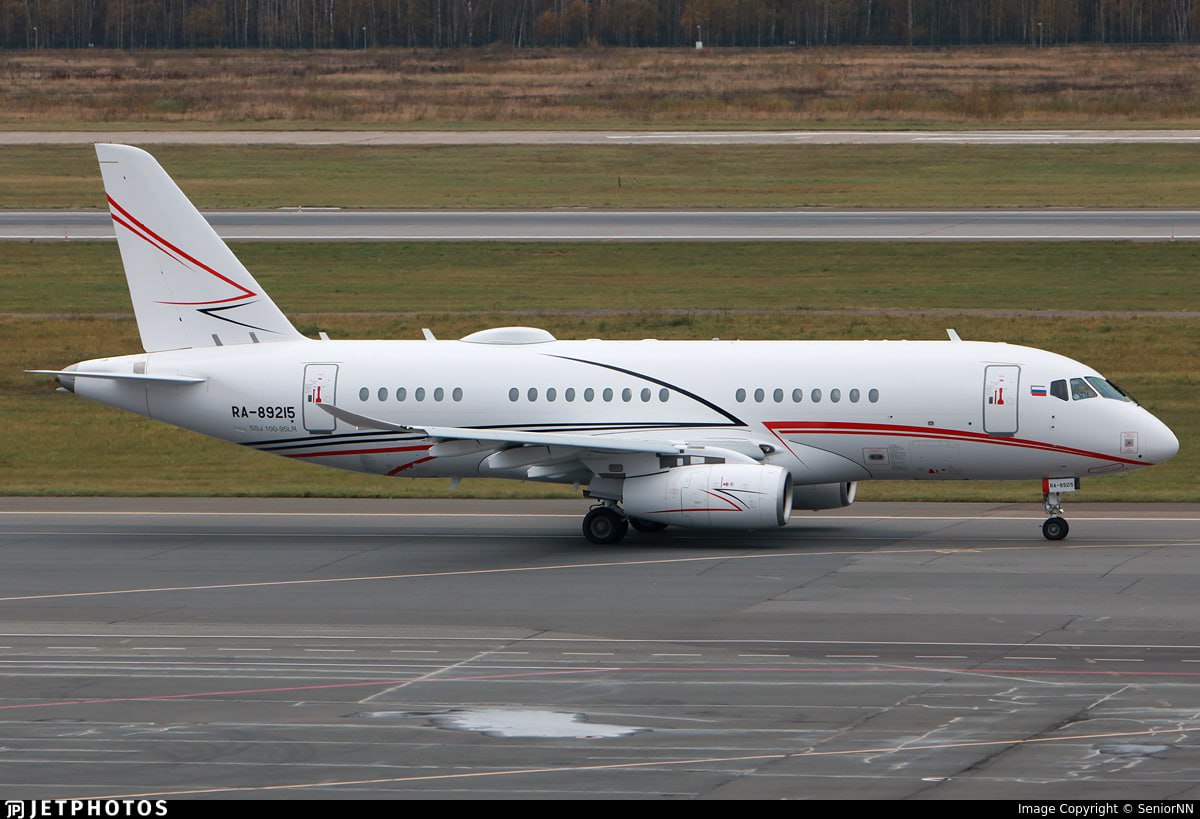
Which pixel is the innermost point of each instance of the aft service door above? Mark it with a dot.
(1000, 392)
(320, 383)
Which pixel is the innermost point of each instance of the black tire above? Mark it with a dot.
(1055, 528)
(647, 526)
(605, 525)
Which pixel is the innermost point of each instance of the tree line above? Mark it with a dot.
(350, 24)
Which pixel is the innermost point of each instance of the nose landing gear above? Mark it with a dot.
(1055, 526)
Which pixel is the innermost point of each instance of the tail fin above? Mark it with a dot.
(188, 288)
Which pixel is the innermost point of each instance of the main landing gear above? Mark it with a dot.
(1054, 527)
(607, 523)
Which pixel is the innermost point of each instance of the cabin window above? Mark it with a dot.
(873, 396)
(664, 395)
(835, 395)
(532, 394)
(759, 395)
(589, 394)
(551, 394)
(439, 394)
(797, 395)
(419, 394)
(740, 395)
(569, 394)
(608, 394)
(457, 394)
(1081, 390)
(514, 394)
(1059, 389)
(816, 396)
(401, 393)
(777, 395)
(645, 394)
(382, 393)
(627, 394)
(854, 395)
(364, 394)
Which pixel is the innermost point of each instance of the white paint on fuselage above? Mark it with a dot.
(927, 422)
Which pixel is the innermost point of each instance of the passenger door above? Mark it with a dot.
(1001, 388)
(320, 387)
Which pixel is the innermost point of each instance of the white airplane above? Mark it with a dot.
(716, 434)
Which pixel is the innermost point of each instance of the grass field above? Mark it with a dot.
(61, 445)
(632, 176)
(587, 279)
(1074, 86)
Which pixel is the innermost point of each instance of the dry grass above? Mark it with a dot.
(1081, 86)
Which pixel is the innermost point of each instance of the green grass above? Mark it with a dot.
(633, 176)
(58, 444)
(590, 278)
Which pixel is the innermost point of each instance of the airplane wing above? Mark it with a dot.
(519, 437)
(161, 379)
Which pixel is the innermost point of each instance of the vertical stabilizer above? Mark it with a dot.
(188, 288)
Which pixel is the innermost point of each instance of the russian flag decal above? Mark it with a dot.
(1038, 390)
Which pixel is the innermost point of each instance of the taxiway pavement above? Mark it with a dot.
(361, 648)
(558, 225)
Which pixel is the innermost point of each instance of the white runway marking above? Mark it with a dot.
(1182, 729)
(531, 639)
(1079, 515)
(680, 237)
(558, 568)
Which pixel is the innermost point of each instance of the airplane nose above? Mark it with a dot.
(1161, 444)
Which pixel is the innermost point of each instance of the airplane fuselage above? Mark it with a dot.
(827, 411)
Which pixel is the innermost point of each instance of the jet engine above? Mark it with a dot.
(719, 496)
(825, 495)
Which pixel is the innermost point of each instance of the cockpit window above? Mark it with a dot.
(1080, 390)
(1059, 389)
(1108, 389)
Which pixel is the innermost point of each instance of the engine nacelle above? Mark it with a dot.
(825, 495)
(718, 496)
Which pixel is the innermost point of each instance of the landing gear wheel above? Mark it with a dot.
(604, 525)
(647, 525)
(1055, 528)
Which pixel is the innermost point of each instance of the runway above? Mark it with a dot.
(433, 649)
(598, 225)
